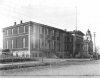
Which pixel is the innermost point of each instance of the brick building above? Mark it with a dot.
(31, 39)
(77, 43)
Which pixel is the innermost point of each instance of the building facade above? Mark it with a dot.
(88, 44)
(31, 39)
(77, 43)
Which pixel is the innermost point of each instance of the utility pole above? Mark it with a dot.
(94, 43)
(95, 46)
(76, 18)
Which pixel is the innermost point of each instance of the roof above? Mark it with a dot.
(88, 32)
(31, 22)
(25, 23)
(77, 32)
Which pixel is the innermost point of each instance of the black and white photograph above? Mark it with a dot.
(49, 38)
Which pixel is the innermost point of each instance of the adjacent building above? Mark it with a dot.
(77, 43)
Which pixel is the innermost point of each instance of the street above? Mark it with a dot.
(85, 69)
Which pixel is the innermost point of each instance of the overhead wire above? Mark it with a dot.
(27, 14)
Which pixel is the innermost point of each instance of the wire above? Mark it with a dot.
(19, 11)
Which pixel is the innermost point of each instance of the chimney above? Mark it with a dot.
(21, 22)
(14, 23)
(65, 30)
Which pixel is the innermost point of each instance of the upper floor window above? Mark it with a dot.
(40, 43)
(52, 32)
(12, 44)
(47, 44)
(70, 39)
(23, 42)
(34, 29)
(67, 47)
(7, 44)
(12, 31)
(57, 45)
(46, 31)
(17, 30)
(24, 29)
(34, 43)
(53, 44)
(7, 32)
(67, 39)
(57, 34)
(40, 30)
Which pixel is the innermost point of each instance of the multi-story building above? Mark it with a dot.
(37, 40)
(77, 43)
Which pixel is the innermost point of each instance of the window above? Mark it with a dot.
(23, 42)
(17, 54)
(24, 29)
(16, 42)
(58, 46)
(52, 32)
(40, 30)
(17, 30)
(70, 39)
(7, 44)
(68, 47)
(40, 54)
(46, 31)
(34, 29)
(34, 44)
(40, 43)
(7, 32)
(23, 54)
(52, 44)
(46, 44)
(35, 54)
(57, 34)
(65, 47)
(67, 39)
(12, 44)
(12, 31)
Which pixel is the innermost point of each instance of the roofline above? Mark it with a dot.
(16, 25)
(29, 22)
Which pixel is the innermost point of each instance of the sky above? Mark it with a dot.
(56, 13)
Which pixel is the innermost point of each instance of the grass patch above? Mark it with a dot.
(14, 59)
(23, 66)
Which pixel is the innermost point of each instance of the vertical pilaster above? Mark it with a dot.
(29, 41)
(74, 43)
(44, 41)
(38, 41)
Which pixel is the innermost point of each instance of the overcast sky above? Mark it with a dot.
(57, 13)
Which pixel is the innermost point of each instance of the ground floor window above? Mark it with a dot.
(40, 54)
(35, 54)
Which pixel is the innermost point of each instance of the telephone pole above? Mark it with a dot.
(76, 18)
(95, 47)
(94, 42)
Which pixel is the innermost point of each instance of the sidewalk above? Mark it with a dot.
(18, 63)
(39, 63)
(59, 60)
